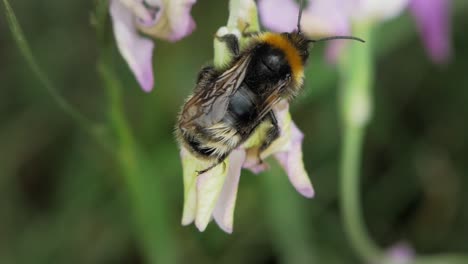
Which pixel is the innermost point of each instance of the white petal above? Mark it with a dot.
(135, 49)
(209, 186)
(224, 210)
(190, 187)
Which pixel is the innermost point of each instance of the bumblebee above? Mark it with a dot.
(229, 104)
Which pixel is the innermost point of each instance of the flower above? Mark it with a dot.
(320, 17)
(165, 19)
(433, 21)
(213, 193)
(400, 253)
(334, 17)
(377, 10)
(287, 150)
(327, 17)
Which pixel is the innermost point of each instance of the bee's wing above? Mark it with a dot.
(209, 104)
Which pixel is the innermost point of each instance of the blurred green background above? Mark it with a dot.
(64, 199)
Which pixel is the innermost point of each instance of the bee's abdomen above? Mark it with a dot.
(199, 148)
(214, 142)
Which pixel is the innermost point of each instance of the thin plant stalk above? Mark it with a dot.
(83, 122)
(356, 69)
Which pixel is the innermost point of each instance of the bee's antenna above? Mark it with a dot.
(337, 37)
(299, 17)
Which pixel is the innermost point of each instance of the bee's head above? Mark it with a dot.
(301, 42)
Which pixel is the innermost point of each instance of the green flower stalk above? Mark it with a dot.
(356, 70)
(82, 121)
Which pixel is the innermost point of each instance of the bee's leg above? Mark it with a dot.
(206, 73)
(232, 43)
(219, 161)
(272, 134)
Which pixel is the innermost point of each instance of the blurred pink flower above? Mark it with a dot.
(376, 10)
(165, 19)
(400, 253)
(213, 193)
(320, 17)
(433, 21)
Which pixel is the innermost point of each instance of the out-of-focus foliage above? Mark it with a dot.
(64, 199)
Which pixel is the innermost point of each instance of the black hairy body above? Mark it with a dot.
(229, 104)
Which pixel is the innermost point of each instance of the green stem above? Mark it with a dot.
(291, 232)
(350, 196)
(144, 189)
(61, 102)
(442, 259)
(356, 71)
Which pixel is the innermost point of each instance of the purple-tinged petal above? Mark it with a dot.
(224, 210)
(324, 18)
(278, 15)
(433, 21)
(287, 149)
(400, 253)
(135, 49)
(320, 18)
(172, 20)
(292, 163)
(331, 19)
